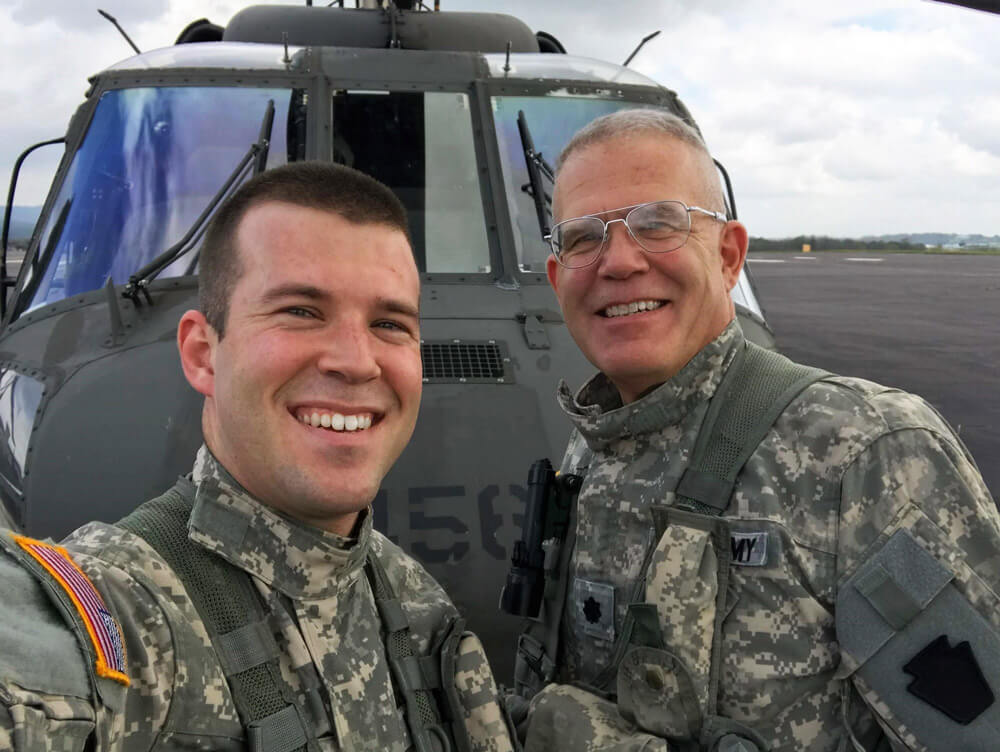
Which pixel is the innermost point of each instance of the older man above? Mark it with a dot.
(764, 556)
(252, 606)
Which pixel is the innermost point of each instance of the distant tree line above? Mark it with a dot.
(823, 243)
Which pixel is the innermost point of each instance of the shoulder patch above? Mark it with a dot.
(104, 632)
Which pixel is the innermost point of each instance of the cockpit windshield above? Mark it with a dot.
(420, 144)
(151, 161)
(552, 121)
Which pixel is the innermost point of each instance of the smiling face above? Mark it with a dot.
(313, 392)
(681, 298)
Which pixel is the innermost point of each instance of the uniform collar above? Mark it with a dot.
(300, 560)
(598, 414)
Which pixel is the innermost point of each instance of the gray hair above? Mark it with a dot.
(625, 123)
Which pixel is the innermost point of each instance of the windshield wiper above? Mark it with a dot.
(254, 160)
(537, 169)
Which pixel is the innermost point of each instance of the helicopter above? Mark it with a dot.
(456, 112)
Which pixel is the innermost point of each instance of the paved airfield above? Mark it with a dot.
(929, 324)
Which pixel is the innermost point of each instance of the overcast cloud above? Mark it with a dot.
(848, 118)
(75, 16)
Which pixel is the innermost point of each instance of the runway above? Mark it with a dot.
(929, 324)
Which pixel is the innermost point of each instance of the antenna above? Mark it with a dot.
(113, 20)
(284, 40)
(641, 44)
(506, 64)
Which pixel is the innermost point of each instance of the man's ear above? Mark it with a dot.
(733, 251)
(196, 342)
(551, 271)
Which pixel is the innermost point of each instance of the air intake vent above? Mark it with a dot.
(458, 361)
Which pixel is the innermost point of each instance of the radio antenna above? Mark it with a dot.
(641, 44)
(113, 20)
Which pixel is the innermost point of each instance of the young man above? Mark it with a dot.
(814, 570)
(253, 606)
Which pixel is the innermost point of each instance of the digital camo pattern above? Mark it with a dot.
(28, 720)
(321, 608)
(477, 691)
(569, 718)
(635, 453)
(847, 464)
(682, 582)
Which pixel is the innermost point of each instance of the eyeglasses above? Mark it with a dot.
(657, 227)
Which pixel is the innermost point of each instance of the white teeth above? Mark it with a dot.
(336, 421)
(626, 309)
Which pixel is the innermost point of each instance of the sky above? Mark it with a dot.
(841, 118)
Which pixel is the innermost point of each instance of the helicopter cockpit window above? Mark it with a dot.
(552, 121)
(420, 144)
(20, 396)
(151, 161)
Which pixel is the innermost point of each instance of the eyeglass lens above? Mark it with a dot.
(657, 227)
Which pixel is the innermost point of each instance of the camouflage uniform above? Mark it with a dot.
(320, 606)
(845, 466)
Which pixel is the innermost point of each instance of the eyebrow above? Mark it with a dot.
(294, 290)
(393, 305)
(311, 292)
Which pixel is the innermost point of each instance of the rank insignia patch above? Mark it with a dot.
(104, 632)
(595, 604)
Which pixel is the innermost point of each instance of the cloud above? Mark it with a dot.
(855, 117)
(976, 123)
(73, 15)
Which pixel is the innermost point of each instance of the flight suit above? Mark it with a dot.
(852, 576)
(157, 682)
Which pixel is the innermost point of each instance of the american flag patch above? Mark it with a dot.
(105, 634)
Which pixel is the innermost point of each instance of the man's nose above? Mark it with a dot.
(349, 352)
(622, 255)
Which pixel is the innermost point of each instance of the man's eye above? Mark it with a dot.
(580, 241)
(391, 326)
(656, 228)
(299, 312)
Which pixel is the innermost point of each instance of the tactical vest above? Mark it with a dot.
(753, 393)
(236, 620)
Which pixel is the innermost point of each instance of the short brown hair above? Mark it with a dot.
(356, 197)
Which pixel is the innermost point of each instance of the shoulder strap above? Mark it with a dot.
(415, 677)
(756, 389)
(230, 608)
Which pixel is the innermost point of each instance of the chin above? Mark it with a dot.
(353, 497)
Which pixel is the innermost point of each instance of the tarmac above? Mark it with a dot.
(929, 324)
